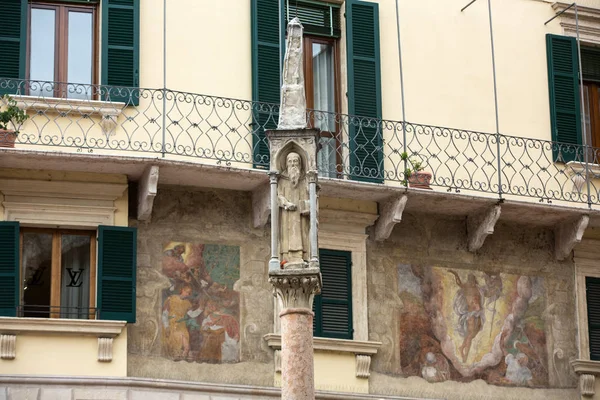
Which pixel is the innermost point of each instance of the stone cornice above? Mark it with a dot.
(75, 327)
(586, 367)
(589, 21)
(345, 221)
(347, 346)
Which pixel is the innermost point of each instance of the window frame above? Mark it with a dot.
(309, 89)
(61, 42)
(594, 112)
(56, 269)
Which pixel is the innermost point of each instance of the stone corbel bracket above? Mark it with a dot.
(105, 331)
(587, 371)
(261, 205)
(363, 350)
(389, 215)
(567, 234)
(480, 225)
(147, 189)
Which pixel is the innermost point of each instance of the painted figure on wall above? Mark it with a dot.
(466, 325)
(200, 309)
(293, 199)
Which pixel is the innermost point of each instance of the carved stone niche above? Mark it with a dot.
(302, 141)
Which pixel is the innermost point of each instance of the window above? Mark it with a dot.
(592, 290)
(322, 95)
(333, 307)
(62, 47)
(58, 273)
(52, 273)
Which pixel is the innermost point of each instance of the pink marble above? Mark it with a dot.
(297, 356)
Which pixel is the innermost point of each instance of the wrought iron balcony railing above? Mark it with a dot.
(179, 125)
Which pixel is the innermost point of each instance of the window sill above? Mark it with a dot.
(109, 111)
(105, 331)
(362, 349)
(587, 371)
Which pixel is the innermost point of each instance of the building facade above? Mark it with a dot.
(459, 224)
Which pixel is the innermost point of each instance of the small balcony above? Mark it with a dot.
(161, 124)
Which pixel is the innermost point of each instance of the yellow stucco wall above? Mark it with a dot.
(335, 372)
(38, 354)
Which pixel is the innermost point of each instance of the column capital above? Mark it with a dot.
(312, 176)
(296, 288)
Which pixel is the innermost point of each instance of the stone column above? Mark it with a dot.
(295, 290)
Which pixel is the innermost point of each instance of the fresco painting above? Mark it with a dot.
(465, 325)
(200, 308)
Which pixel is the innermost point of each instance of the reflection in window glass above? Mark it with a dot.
(323, 86)
(41, 67)
(37, 276)
(80, 54)
(75, 276)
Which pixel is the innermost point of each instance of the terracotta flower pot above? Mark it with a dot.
(7, 138)
(420, 180)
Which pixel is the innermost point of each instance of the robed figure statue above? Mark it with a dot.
(294, 209)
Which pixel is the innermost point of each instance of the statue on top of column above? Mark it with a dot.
(292, 113)
(294, 209)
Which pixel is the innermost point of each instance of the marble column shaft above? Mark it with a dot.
(297, 369)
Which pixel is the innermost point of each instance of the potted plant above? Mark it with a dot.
(11, 119)
(414, 176)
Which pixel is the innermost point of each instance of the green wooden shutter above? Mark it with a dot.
(9, 269)
(116, 273)
(364, 91)
(266, 67)
(120, 49)
(333, 307)
(13, 42)
(565, 109)
(592, 291)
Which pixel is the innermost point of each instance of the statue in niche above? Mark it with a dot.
(293, 100)
(294, 211)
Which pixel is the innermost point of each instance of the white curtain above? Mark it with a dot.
(75, 286)
(324, 104)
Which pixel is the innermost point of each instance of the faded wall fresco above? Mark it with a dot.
(200, 308)
(464, 325)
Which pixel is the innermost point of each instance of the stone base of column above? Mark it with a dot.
(297, 360)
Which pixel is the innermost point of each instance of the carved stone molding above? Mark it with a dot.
(363, 366)
(261, 205)
(327, 344)
(105, 331)
(105, 349)
(277, 360)
(107, 111)
(568, 234)
(480, 225)
(147, 190)
(389, 215)
(8, 346)
(589, 22)
(296, 288)
(586, 385)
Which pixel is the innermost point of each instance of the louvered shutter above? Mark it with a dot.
(592, 292)
(13, 42)
(266, 67)
(322, 19)
(364, 91)
(9, 269)
(333, 307)
(565, 110)
(116, 273)
(120, 49)
(590, 64)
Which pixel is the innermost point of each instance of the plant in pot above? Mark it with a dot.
(414, 176)
(11, 119)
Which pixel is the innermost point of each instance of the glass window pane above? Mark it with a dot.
(323, 86)
(80, 54)
(41, 61)
(75, 276)
(326, 158)
(37, 276)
